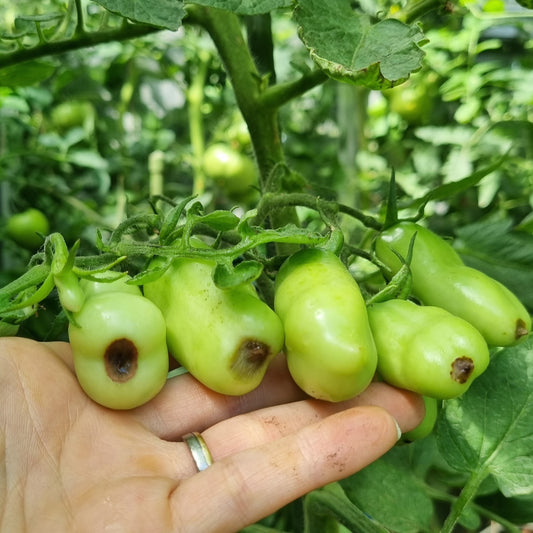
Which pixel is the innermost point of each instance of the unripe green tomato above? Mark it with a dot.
(414, 99)
(225, 338)
(428, 422)
(426, 349)
(119, 349)
(70, 114)
(26, 228)
(440, 278)
(230, 169)
(329, 346)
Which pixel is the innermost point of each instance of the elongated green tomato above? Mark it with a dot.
(119, 349)
(329, 346)
(225, 338)
(427, 425)
(426, 349)
(440, 278)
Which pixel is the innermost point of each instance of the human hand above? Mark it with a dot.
(71, 465)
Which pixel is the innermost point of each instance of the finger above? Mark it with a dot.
(247, 486)
(185, 405)
(268, 424)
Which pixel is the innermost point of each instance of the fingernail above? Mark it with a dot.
(398, 430)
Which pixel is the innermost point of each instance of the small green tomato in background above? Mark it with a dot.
(426, 349)
(232, 170)
(119, 349)
(71, 114)
(28, 228)
(328, 342)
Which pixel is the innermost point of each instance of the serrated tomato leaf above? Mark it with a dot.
(350, 48)
(245, 7)
(160, 13)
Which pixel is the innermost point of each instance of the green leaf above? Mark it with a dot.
(162, 13)
(391, 493)
(449, 189)
(220, 220)
(245, 7)
(228, 277)
(28, 73)
(348, 47)
(506, 255)
(489, 429)
(87, 159)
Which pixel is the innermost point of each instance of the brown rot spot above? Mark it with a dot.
(461, 370)
(521, 329)
(121, 359)
(249, 357)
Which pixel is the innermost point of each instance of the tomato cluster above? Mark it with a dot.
(436, 343)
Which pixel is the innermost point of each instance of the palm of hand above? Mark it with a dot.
(72, 465)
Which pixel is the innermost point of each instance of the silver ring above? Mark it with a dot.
(199, 450)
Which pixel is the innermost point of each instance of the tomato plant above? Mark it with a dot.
(268, 131)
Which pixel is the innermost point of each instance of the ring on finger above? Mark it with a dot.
(199, 450)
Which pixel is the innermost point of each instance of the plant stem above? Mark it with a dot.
(224, 28)
(259, 33)
(278, 95)
(272, 201)
(82, 40)
(80, 27)
(195, 98)
(437, 494)
(416, 10)
(466, 495)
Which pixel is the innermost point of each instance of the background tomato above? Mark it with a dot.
(28, 227)
(232, 170)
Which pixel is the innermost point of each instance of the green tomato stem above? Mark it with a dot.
(195, 97)
(224, 28)
(80, 27)
(272, 201)
(82, 40)
(440, 495)
(466, 496)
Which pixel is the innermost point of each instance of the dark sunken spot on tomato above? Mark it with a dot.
(121, 360)
(462, 369)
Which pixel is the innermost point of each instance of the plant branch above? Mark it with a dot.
(483, 511)
(466, 496)
(80, 40)
(278, 95)
(272, 201)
